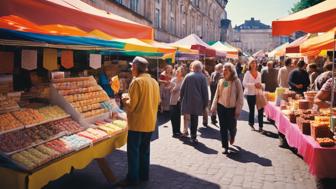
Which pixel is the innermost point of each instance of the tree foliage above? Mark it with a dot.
(303, 4)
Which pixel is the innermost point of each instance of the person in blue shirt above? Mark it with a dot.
(104, 82)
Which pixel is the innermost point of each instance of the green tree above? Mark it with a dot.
(303, 4)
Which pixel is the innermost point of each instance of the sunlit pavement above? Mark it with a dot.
(257, 163)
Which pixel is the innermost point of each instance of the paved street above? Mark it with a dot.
(258, 163)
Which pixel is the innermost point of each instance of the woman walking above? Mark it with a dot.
(228, 101)
(164, 81)
(252, 83)
(175, 104)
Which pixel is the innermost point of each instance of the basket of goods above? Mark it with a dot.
(326, 142)
(320, 130)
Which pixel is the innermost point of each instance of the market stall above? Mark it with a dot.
(231, 52)
(320, 160)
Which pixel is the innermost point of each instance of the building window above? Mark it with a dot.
(134, 4)
(157, 19)
(195, 3)
(118, 1)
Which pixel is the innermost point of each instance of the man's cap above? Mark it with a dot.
(139, 60)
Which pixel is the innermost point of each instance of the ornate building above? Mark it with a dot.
(253, 36)
(172, 19)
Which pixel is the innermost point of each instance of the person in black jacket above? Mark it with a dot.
(299, 78)
(214, 78)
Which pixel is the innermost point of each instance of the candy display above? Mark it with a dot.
(120, 123)
(8, 122)
(93, 134)
(70, 83)
(110, 128)
(29, 116)
(17, 140)
(59, 146)
(67, 125)
(34, 157)
(52, 112)
(79, 90)
(76, 142)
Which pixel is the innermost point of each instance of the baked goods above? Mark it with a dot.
(29, 116)
(8, 122)
(320, 130)
(52, 112)
(65, 125)
(304, 104)
(326, 142)
(84, 95)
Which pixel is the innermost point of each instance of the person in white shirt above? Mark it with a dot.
(252, 83)
(284, 74)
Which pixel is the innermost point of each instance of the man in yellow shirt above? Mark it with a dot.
(141, 105)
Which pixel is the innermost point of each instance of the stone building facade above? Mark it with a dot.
(172, 19)
(253, 36)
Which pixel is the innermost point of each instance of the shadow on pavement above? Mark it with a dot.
(244, 116)
(270, 134)
(244, 156)
(209, 133)
(160, 177)
(199, 146)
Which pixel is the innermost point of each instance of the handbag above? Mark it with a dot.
(261, 100)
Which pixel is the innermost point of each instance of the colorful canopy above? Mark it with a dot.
(74, 14)
(192, 41)
(294, 47)
(278, 51)
(318, 18)
(316, 44)
(259, 54)
(231, 52)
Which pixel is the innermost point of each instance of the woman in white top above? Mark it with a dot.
(175, 104)
(228, 101)
(252, 83)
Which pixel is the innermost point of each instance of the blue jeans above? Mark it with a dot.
(138, 155)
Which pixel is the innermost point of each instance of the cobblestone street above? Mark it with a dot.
(175, 163)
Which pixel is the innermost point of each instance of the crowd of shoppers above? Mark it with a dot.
(183, 91)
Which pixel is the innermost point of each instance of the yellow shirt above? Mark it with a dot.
(143, 103)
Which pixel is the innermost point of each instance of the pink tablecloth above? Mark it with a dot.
(321, 161)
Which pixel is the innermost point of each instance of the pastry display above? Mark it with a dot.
(29, 116)
(93, 113)
(8, 103)
(326, 142)
(120, 123)
(84, 95)
(8, 122)
(52, 112)
(110, 128)
(79, 90)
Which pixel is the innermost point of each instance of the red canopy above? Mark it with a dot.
(318, 18)
(294, 47)
(75, 14)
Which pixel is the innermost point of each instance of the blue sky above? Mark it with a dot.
(265, 10)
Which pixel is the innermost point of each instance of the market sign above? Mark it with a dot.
(50, 59)
(67, 59)
(95, 61)
(29, 59)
